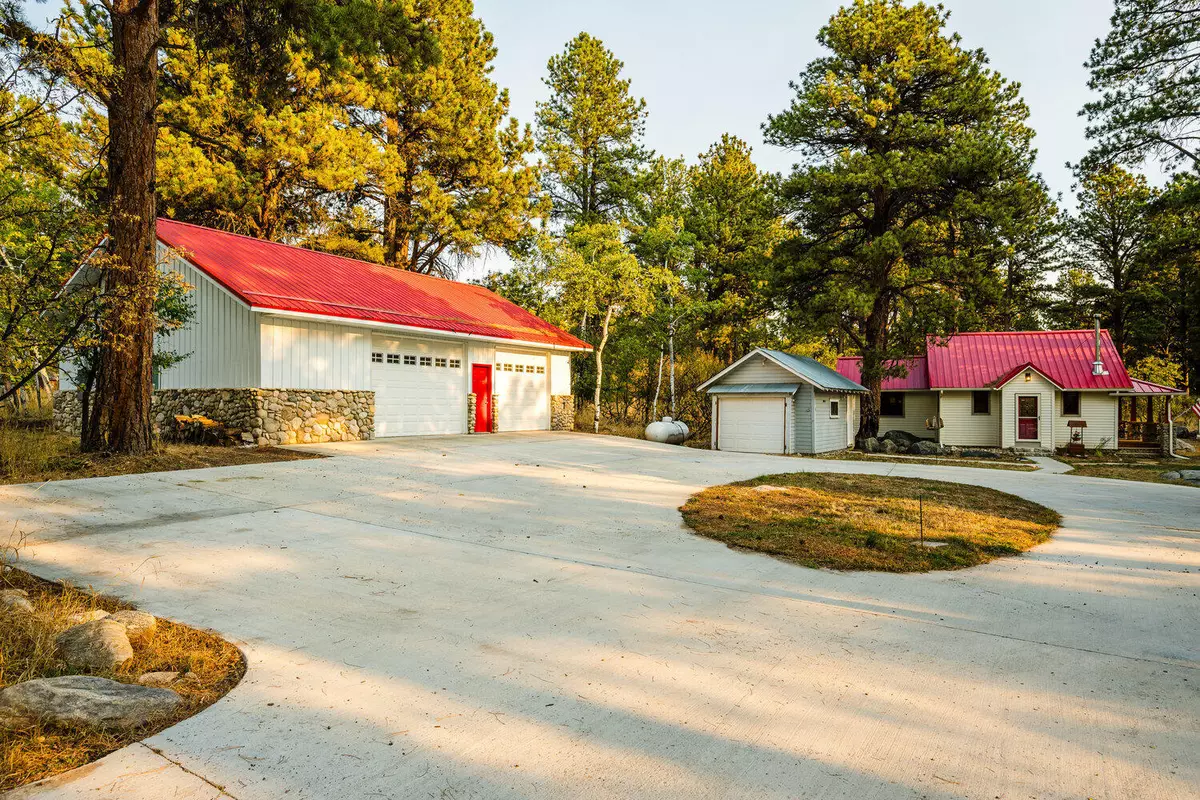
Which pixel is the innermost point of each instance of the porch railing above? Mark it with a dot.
(1130, 430)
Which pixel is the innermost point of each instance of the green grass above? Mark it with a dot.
(869, 522)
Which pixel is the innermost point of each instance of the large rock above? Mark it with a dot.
(97, 645)
(979, 454)
(88, 616)
(1190, 475)
(138, 625)
(925, 448)
(902, 438)
(870, 445)
(84, 700)
(15, 600)
(158, 678)
(888, 446)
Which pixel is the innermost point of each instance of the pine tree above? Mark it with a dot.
(589, 132)
(913, 149)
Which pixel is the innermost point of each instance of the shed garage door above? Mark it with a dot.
(524, 392)
(420, 387)
(752, 424)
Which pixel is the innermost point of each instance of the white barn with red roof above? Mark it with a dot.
(440, 356)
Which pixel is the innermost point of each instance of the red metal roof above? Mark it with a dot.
(982, 360)
(1146, 387)
(916, 379)
(279, 277)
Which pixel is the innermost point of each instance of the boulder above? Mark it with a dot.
(888, 446)
(870, 445)
(88, 616)
(1182, 446)
(903, 438)
(1189, 475)
(15, 600)
(84, 700)
(97, 645)
(979, 454)
(158, 678)
(138, 625)
(925, 448)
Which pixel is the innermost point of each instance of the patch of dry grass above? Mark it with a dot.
(868, 522)
(33, 455)
(213, 667)
(1130, 468)
(1004, 461)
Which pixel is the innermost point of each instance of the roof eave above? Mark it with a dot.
(367, 323)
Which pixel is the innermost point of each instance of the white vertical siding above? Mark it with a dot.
(221, 341)
(802, 418)
(303, 354)
(1017, 387)
(560, 374)
(918, 406)
(829, 433)
(965, 428)
(1099, 410)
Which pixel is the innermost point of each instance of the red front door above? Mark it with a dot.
(481, 385)
(1027, 418)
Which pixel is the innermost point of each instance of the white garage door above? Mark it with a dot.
(752, 424)
(524, 392)
(420, 387)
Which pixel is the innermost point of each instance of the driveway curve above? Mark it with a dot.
(524, 616)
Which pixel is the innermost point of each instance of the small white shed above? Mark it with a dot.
(774, 402)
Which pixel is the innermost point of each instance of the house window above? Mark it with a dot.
(1071, 404)
(410, 361)
(508, 367)
(439, 362)
(376, 358)
(519, 367)
(981, 402)
(393, 358)
(541, 370)
(835, 408)
(891, 404)
(426, 361)
(455, 363)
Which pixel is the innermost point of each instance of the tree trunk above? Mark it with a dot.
(600, 369)
(671, 360)
(120, 414)
(657, 386)
(874, 334)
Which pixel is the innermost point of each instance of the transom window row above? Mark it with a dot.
(530, 368)
(412, 361)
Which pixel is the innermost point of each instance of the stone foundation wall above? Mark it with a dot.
(263, 416)
(562, 412)
(68, 412)
(472, 410)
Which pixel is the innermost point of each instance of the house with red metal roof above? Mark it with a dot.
(439, 356)
(1021, 389)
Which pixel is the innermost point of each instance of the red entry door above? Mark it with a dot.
(1027, 418)
(481, 385)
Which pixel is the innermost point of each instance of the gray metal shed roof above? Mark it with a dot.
(816, 372)
(754, 388)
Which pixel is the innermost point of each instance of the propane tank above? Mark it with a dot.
(668, 431)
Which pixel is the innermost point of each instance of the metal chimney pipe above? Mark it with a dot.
(1098, 364)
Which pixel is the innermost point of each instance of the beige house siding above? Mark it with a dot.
(918, 406)
(1099, 410)
(758, 369)
(1045, 392)
(966, 429)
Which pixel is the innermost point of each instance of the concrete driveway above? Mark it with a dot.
(524, 616)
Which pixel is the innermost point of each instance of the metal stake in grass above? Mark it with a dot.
(921, 509)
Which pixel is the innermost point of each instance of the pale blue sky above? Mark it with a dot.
(707, 67)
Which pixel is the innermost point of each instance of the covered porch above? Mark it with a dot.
(1144, 414)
